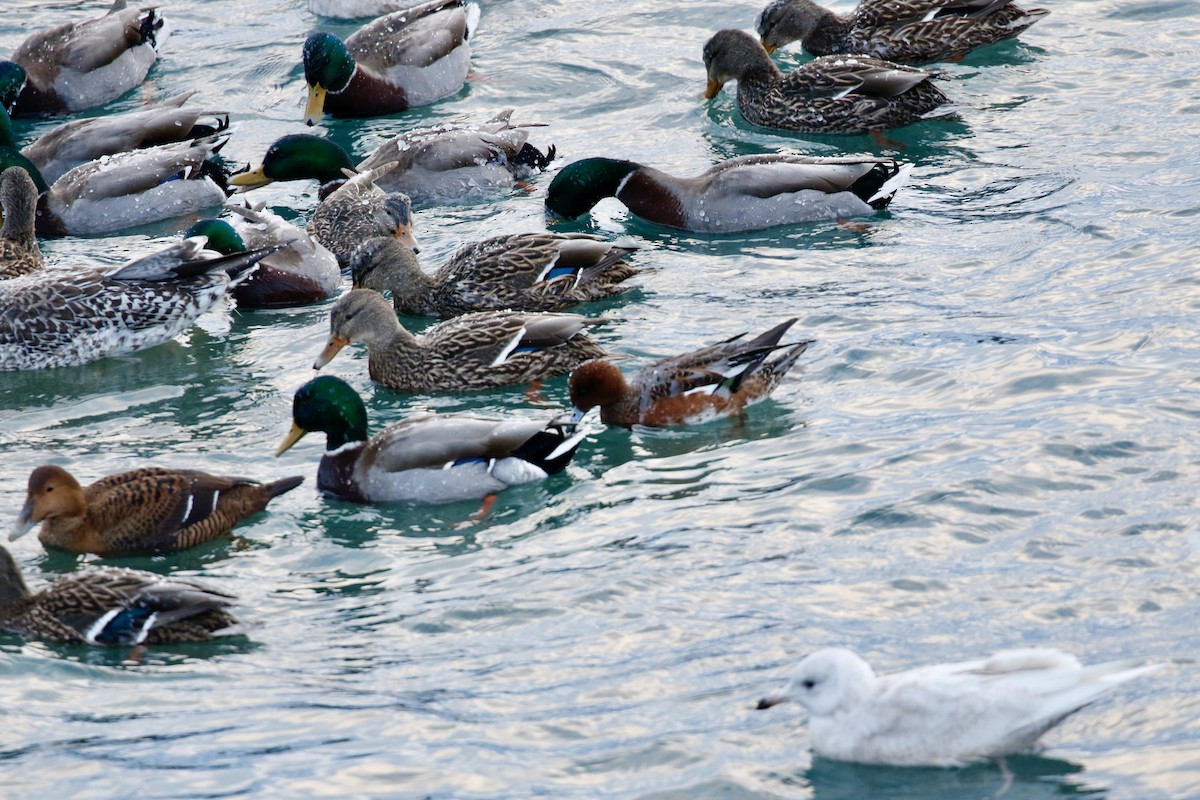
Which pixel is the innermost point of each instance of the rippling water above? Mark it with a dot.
(993, 443)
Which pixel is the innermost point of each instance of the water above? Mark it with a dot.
(993, 443)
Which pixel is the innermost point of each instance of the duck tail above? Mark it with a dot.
(551, 449)
(150, 25)
(878, 186)
(281, 486)
(787, 360)
(768, 340)
(532, 158)
(239, 265)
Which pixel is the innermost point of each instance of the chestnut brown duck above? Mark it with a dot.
(719, 380)
(149, 510)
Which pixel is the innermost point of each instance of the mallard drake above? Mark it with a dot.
(19, 252)
(111, 606)
(523, 272)
(359, 210)
(448, 163)
(70, 316)
(117, 192)
(474, 351)
(411, 57)
(432, 458)
(79, 65)
(741, 194)
(719, 380)
(80, 141)
(944, 715)
(150, 510)
(904, 31)
(831, 94)
(302, 272)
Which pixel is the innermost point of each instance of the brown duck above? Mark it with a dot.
(474, 351)
(19, 252)
(110, 606)
(150, 510)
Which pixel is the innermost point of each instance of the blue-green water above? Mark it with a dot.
(993, 443)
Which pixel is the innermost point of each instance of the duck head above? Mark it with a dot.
(327, 404)
(581, 184)
(328, 68)
(295, 157)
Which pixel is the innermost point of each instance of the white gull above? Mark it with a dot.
(943, 714)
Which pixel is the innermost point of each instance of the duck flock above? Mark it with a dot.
(508, 304)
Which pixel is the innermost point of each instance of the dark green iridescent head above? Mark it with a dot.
(327, 62)
(329, 404)
(581, 184)
(298, 156)
(10, 157)
(12, 81)
(221, 236)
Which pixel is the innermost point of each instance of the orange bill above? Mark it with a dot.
(335, 344)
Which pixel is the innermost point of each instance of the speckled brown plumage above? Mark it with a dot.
(904, 31)
(19, 252)
(831, 94)
(522, 272)
(109, 606)
(143, 511)
(474, 351)
(359, 210)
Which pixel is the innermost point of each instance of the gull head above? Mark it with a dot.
(825, 682)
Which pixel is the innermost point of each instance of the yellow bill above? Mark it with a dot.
(316, 105)
(294, 435)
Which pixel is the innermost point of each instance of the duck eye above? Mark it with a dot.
(49, 489)
(808, 684)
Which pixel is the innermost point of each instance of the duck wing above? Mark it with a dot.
(415, 37)
(439, 440)
(839, 76)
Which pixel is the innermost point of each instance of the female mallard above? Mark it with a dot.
(523, 272)
(302, 272)
(474, 351)
(447, 163)
(135, 188)
(80, 141)
(832, 94)
(150, 510)
(79, 65)
(432, 458)
(359, 210)
(904, 31)
(411, 57)
(715, 381)
(19, 252)
(110, 606)
(66, 317)
(742, 194)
